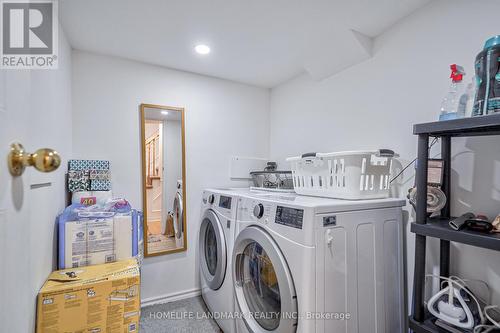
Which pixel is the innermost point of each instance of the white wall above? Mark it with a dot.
(36, 113)
(222, 119)
(375, 104)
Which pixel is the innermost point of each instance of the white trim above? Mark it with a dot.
(171, 297)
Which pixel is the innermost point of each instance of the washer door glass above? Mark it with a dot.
(260, 287)
(211, 249)
(264, 288)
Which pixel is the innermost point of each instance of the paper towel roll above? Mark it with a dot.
(89, 198)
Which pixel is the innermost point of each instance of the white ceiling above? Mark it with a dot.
(259, 42)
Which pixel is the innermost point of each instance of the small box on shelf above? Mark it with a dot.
(440, 228)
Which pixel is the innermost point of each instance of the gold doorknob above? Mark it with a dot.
(44, 160)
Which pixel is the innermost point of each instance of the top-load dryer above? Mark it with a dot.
(305, 264)
(216, 238)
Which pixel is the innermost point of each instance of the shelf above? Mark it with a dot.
(439, 228)
(427, 326)
(475, 126)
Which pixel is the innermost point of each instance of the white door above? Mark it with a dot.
(35, 110)
(213, 250)
(264, 288)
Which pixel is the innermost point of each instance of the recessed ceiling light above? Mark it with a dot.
(164, 112)
(202, 49)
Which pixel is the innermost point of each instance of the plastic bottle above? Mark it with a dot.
(488, 78)
(449, 106)
(470, 93)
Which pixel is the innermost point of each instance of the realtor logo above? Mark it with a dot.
(29, 34)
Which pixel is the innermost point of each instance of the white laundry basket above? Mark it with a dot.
(351, 175)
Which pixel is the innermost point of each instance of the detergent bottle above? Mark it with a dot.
(488, 78)
(450, 104)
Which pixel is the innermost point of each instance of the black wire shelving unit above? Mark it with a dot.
(423, 227)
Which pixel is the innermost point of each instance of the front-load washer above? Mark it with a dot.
(216, 239)
(305, 264)
(178, 214)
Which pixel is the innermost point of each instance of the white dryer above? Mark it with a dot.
(305, 264)
(178, 213)
(216, 239)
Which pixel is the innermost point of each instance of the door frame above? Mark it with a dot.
(142, 113)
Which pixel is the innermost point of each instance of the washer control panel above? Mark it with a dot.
(258, 210)
(268, 212)
(225, 202)
(290, 217)
(211, 199)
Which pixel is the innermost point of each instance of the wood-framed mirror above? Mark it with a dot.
(163, 179)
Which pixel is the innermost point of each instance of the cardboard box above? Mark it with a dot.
(93, 299)
(267, 273)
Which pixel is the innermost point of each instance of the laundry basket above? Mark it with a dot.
(351, 175)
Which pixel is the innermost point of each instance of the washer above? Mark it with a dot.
(216, 239)
(178, 213)
(305, 264)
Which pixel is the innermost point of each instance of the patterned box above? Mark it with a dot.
(99, 174)
(78, 180)
(100, 185)
(89, 175)
(88, 165)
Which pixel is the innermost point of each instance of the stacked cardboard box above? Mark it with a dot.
(100, 298)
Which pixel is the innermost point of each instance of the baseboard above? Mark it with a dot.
(170, 297)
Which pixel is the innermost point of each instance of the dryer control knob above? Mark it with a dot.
(258, 211)
(211, 199)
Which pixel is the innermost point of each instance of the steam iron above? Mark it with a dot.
(455, 307)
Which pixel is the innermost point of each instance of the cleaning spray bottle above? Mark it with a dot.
(470, 94)
(466, 101)
(449, 106)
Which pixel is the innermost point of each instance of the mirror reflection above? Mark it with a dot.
(163, 179)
